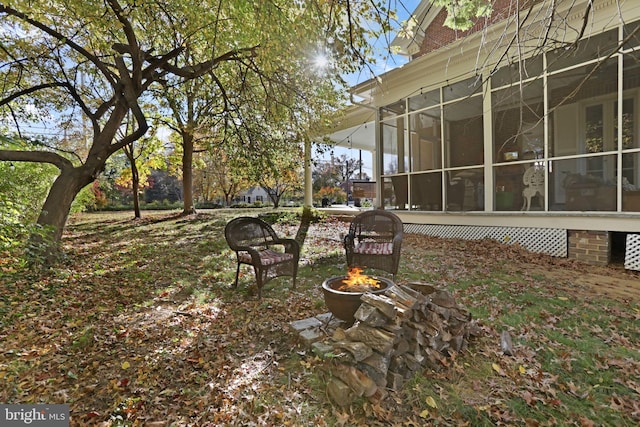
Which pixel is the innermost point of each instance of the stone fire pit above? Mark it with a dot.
(343, 300)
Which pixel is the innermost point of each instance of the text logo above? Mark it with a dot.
(34, 415)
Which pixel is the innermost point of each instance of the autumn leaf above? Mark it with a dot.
(586, 422)
(431, 402)
(342, 418)
(528, 397)
(219, 356)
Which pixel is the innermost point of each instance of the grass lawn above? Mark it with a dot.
(139, 325)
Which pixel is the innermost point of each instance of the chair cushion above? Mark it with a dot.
(373, 248)
(267, 257)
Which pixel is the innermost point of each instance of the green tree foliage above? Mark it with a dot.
(163, 188)
(23, 188)
(281, 174)
(90, 198)
(461, 13)
(95, 62)
(223, 173)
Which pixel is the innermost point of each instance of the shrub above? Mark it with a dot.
(334, 194)
(23, 189)
(88, 199)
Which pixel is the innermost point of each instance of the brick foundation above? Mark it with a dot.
(591, 247)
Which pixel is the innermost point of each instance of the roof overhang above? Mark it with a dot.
(356, 128)
(409, 39)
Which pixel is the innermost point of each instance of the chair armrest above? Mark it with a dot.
(238, 248)
(253, 252)
(349, 241)
(397, 242)
(291, 246)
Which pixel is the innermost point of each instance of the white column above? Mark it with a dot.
(308, 179)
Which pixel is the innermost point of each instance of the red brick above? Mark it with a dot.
(438, 36)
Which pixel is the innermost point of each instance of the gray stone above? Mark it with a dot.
(311, 335)
(321, 349)
(301, 325)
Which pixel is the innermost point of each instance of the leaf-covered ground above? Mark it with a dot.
(139, 326)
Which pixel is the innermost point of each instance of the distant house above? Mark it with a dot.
(536, 143)
(253, 195)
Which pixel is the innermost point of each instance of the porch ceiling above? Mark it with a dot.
(360, 137)
(355, 130)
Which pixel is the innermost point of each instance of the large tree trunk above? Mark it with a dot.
(187, 173)
(56, 208)
(135, 186)
(275, 198)
(135, 180)
(55, 211)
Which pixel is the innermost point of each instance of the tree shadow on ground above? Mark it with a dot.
(305, 223)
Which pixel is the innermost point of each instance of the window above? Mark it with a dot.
(395, 148)
(562, 138)
(407, 155)
(464, 133)
(425, 131)
(426, 191)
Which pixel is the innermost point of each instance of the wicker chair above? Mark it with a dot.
(374, 241)
(256, 244)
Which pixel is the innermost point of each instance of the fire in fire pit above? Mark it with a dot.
(342, 293)
(357, 282)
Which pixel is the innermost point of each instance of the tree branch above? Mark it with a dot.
(189, 72)
(36, 157)
(32, 89)
(137, 55)
(62, 38)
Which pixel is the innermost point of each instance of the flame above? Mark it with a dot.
(357, 282)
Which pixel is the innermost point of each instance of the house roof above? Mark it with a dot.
(422, 17)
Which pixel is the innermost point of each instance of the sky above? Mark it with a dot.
(382, 65)
(404, 9)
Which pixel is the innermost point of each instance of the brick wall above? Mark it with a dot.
(437, 35)
(591, 247)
